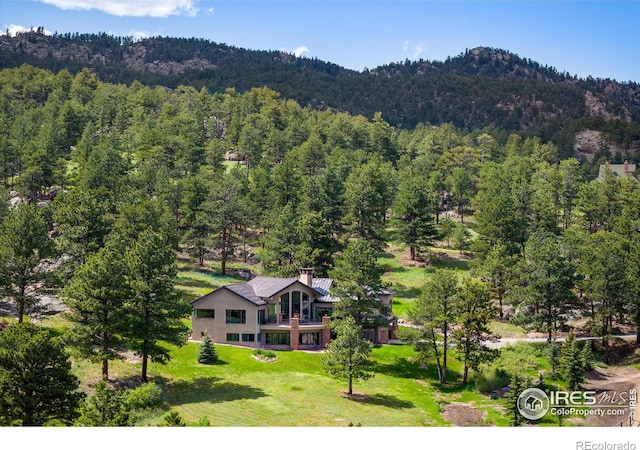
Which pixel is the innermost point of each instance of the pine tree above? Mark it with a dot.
(516, 386)
(571, 363)
(173, 419)
(554, 356)
(586, 356)
(105, 409)
(348, 356)
(207, 352)
(96, 298)
(36, 379)
(24, 247)
(154, 309)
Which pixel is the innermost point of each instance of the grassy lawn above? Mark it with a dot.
(407, 278)
(241, 391)
(294, 390)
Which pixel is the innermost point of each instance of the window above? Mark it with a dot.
(295, 303)
(321, 312)
(278, 338)
(204, 313)
(261, 317)
(284, 306)
(310, 338)
(233, 337)
(248, 337)
(236, 316)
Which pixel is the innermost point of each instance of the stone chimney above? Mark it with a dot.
(626, 167)
(306, 276)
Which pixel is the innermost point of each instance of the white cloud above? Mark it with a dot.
(138, 35)
(302, 50)
(136, 8)
(413, 51)
(209, 11)
(15, 29)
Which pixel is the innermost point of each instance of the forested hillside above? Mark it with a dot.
(479, 88)
(119, 161)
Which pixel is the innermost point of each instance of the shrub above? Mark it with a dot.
(267, 354)
(202, 422)
(207, 352)
(173, 419)
(493, 380)
(146, 396)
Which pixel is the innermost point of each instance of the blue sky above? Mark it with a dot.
(581, 37)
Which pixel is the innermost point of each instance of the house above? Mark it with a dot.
(618, 170)
(279, 313)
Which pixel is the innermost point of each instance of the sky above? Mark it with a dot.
(584, 38)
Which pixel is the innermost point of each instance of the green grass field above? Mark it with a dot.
(294, 391)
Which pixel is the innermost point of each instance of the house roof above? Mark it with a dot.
(322, 287)
(618, 170)
(246, 291)
(260, 288)
(269, 286)
(240, 289)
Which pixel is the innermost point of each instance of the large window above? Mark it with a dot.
(310, 338)
(261, 317)
(233, 337)
(236, 316)
(246, 337)
(204, 313)
(273, 313)
(278, 338)
(284, 306)
(295, 303)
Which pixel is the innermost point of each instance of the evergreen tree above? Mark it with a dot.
(206, 351)
(358, 284)
(572, 363)
(412, 215)
(173, 419)
(105, 409)
(516, 387)
(435, 313)
(154, 310)
(24, 247)
(475, 312)
(348, 355)
(96, 297)
(83, 222)
(554, 353)
(549, 277)
(36, 379)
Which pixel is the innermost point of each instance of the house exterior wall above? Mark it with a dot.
(220, 301)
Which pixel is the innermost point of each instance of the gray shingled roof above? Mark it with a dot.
(269, 286)
(246, 291)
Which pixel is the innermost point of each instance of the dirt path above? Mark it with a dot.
(611, 382)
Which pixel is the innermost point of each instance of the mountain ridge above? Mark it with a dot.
(481, 87)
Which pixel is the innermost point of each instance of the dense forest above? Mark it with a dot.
(108, 181)
(479, 88)
(258, 176)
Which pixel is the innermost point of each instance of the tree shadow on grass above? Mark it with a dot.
(189, 282)
(402, 291)
(400, 368)
(209, 389)
(388, 401)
